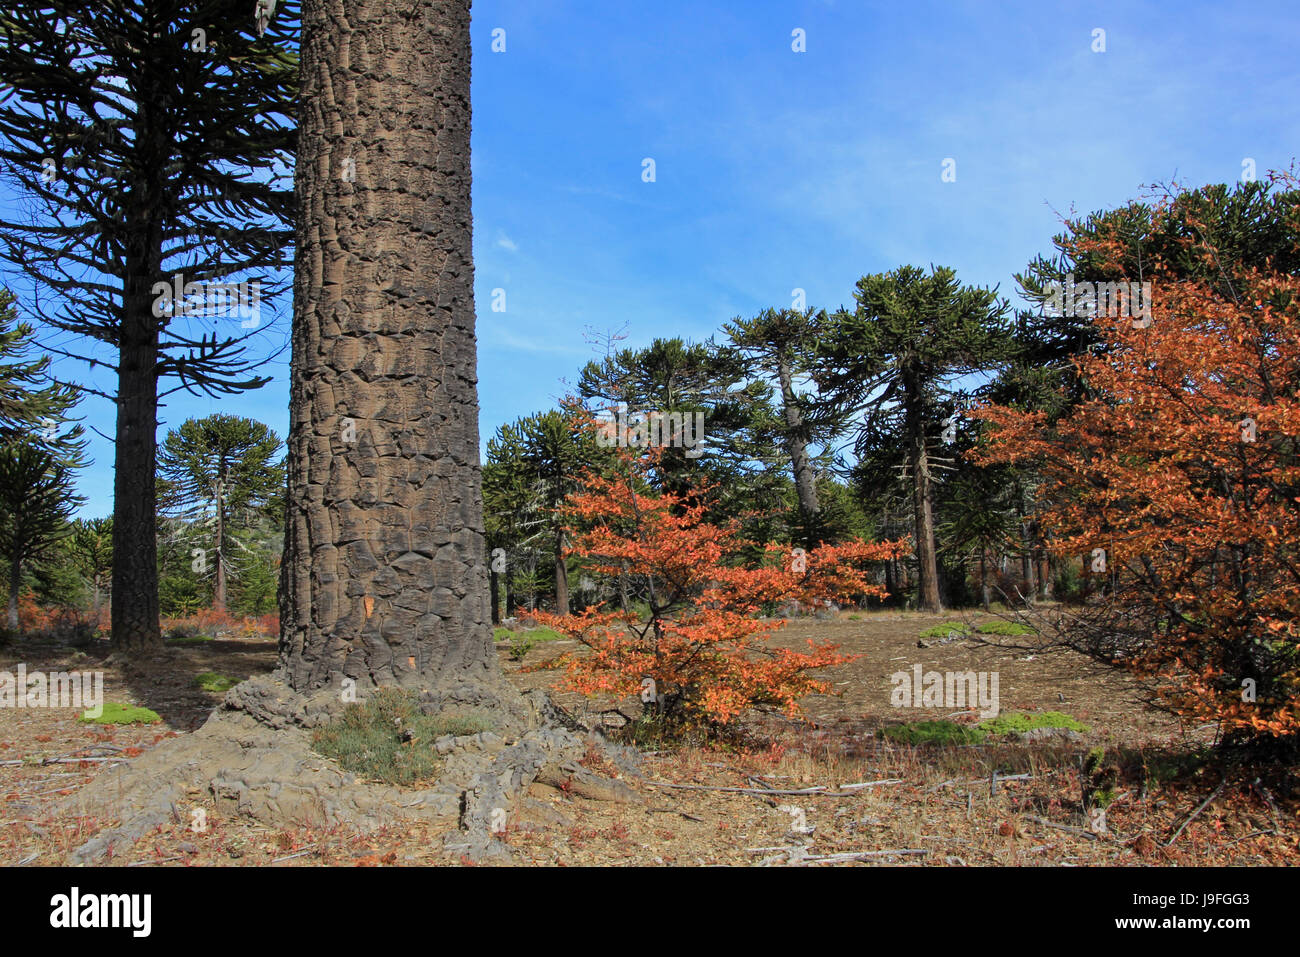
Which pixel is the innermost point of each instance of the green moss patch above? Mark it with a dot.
(1005, 628)
(932, 732)
(211, 681)
(115, 713)
(1018, 722)
(188, 639)
(386, 738)
(946, 628)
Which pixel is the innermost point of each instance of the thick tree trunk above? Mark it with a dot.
(805, 477)
(134, 601)
(561, 576)
(219, 589)
(385, 541)
(15, 581)
(922, 502)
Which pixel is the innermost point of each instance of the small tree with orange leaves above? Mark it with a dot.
(701, 657)
(1179, 478)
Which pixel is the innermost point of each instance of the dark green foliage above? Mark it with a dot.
(36, 502)
(32, 408)
(222, 484)
(896, 359)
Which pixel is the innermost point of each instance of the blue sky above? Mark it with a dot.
(776, 169)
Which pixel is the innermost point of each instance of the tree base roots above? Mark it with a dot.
(254, 757)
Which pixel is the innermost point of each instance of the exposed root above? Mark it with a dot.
(253, 757)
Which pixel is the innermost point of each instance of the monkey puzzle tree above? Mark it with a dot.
(222, 474)
(32, 408)
(145, 133)
(384, 578)
(898, 356)
(779, 344)
(36, 502)
(90, 549)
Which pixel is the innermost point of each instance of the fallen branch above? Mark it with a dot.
(45, 762)
(1270, 830)
(1082, 832)
(289, 857)
(860, 855)
(1195, 814)
(819, 790)
(869, 784)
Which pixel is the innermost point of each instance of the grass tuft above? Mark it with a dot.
(386, 738)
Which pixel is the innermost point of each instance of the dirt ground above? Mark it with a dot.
(822, 790)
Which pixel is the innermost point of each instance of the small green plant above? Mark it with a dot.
(945, 733)
(522, 642)
(216, 683)
(1018, 722)
(1099, 779)
(855, 617)
(946, 628)
(1008, 628)
(387, 738)
(115, 713)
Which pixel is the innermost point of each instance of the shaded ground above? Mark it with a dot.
(941, 806)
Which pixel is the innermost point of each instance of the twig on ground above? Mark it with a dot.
(1070, 828)
(1195, 814)
(869, 784)
(1268, 799)
(817, 791)
(860, 855)
(1271, 830)
(289, 857)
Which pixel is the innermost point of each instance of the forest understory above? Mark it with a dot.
(826, 789)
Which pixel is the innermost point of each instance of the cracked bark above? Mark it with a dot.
(383, 581)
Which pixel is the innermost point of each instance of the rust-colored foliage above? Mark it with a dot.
(702, 646)
(1180, 475)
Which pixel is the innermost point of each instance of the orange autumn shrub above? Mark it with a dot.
(212, 623)
(701, 656)
(1178, 481)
